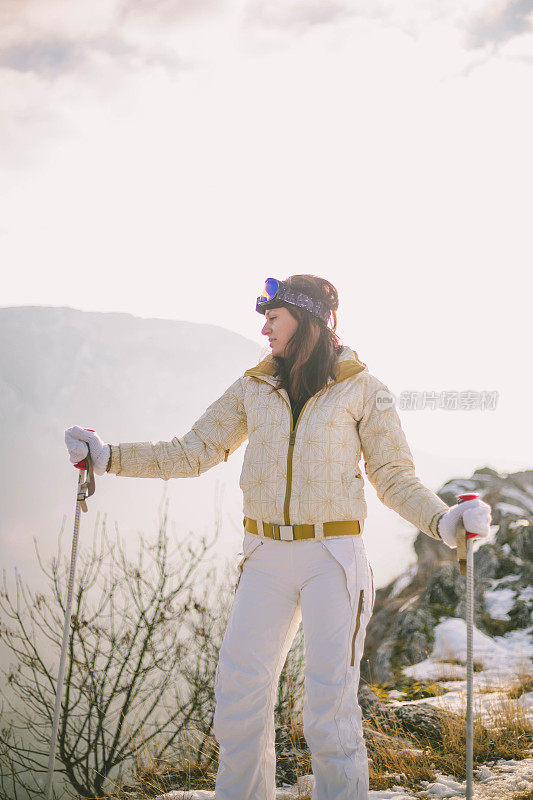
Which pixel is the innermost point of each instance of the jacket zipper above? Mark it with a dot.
(357, 624)
(292, 437)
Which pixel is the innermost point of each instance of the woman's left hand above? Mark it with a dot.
(476, 516)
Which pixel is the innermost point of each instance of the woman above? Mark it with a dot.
(310, 409)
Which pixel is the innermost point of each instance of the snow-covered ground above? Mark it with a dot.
(486, 704)
(504, 660)
(499, 599)
(502, 657)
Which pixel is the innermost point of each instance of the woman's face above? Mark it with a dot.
(279, 327)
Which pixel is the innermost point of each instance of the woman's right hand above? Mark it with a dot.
(80, 441)
(475, 514)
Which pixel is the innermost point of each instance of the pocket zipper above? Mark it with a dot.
(357, 624)
(242, 562)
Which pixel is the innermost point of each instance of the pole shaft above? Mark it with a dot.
(64, 646)
(469, 668)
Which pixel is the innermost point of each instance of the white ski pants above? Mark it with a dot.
(327, 585)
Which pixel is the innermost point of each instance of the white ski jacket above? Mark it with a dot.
(306, 473)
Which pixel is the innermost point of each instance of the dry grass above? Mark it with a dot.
(389, 766)
(509, 737)
(523, 684)
(410, 760)
(153, 776)
(478, 666)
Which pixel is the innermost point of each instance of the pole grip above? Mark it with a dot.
(463, 535)
(82, 464)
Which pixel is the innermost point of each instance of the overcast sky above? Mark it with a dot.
(163, 157)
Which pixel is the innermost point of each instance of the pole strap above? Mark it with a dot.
(461, 547)
(86, 489)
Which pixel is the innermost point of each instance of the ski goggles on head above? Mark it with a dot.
(276, 292)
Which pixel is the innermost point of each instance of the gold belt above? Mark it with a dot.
(288, 533)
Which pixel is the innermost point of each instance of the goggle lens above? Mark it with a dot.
(270, 290)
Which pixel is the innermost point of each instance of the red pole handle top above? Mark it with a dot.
(81, 464)
(462, 498)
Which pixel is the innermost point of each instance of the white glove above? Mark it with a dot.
(79, 441)
(476, 516)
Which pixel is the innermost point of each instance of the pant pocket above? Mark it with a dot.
(359, 584)
(251, 544)
(343, 552)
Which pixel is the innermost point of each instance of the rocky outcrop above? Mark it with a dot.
(406, 611)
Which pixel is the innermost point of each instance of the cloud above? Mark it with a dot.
(479, 22)
(64, 66)
(56, 58)
(41, 21)
(297, 15)
(502, 23)
(70, 69)
(52, 38)
(164, 12)
(50, 57)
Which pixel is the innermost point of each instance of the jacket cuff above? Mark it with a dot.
(114, 464)
(434, 525)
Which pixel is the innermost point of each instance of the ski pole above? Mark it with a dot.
(85, 489)
(465, 555)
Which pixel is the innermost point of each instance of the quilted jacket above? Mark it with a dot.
(303, 473)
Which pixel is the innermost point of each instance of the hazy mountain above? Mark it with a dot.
(130, 379)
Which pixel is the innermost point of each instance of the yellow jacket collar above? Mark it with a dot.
(347, 365)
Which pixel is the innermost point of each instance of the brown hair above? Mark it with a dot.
(312, 351)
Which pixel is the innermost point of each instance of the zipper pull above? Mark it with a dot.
(292, 437)
(226, 454)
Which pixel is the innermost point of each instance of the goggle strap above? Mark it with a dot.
(285, 294)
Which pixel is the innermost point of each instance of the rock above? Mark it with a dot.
(414, 635)
(400, 632)
(520, 614)
(421, 720)
(381, 665)
(483, 773)
(486, 471)
(396, 695)
(376, 741)
(369, 702)
(520, 540)
(430, 552)
(444, 589)
(486, 564)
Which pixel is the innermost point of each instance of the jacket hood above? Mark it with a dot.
(348, 365)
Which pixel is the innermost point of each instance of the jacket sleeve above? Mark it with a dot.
(217, 433)
(390, 467)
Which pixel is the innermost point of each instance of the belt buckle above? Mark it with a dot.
(286, 533)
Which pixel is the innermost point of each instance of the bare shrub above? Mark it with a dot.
(143, 645)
